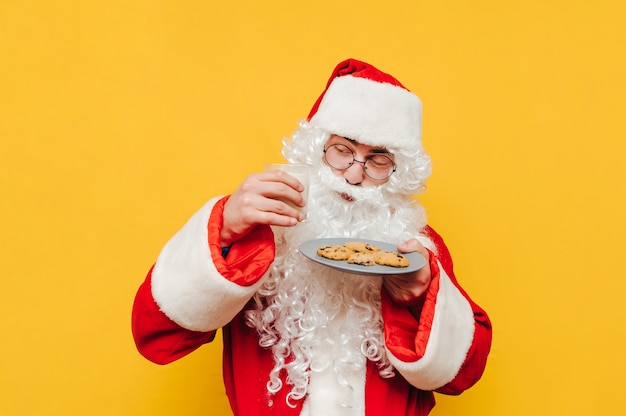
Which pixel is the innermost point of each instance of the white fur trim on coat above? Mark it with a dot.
(187, 286)
(373, 113)
(450, 339)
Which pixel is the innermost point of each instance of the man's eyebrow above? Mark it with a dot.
(381, 150)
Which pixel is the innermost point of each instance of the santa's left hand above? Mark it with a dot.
(409, 289)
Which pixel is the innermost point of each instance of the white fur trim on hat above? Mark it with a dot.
(371, 112)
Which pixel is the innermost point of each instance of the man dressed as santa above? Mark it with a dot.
(301, 338)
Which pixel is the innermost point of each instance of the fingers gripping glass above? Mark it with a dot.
(376, 166)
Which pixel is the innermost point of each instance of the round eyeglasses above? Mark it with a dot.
(376, 166)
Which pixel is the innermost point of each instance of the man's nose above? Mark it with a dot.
(355, 174)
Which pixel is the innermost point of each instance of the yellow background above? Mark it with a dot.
(118, 119)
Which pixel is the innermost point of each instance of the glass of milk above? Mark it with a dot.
(300, 172)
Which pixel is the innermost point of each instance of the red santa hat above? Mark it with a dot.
(365, 104)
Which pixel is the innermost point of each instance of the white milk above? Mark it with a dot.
(301, 173)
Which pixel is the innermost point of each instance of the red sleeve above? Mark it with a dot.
(407, 337)
(157, 337)
(476, 360)
(160, 339)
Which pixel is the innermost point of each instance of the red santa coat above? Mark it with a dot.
(192, 291)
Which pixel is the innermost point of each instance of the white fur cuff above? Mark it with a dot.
(187, 286)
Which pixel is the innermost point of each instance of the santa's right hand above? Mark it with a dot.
(260, 200)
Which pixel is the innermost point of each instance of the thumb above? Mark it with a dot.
(409, 246)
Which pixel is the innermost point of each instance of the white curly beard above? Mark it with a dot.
(315, 318)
